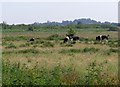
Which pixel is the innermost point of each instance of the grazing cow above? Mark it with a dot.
(32, 39)
(66, 39)
(76, 38)
(102, 37)
(71, 38)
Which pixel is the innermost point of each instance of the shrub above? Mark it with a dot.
(17, 74)
(30, 28)
(71, 31)
(93, 74)
(97, 74)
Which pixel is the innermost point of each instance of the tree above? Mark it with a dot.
(71, 32)
(30, 28)
(4, 25)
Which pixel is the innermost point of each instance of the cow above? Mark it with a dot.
(75, 38)
(32, 39)
(71, 38)
(102, 37)
(67, 38)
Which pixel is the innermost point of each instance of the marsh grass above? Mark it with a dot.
(15, 74)
(25, 51)
(55, 37)
(84, 50)
(29, 51)
(48, 44)
(97, 74)
(91, 50)
(11, 45)
(111, 51)
(24, 45)
(113, 43)
(17, 38)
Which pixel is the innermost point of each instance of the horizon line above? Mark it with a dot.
(60, 21)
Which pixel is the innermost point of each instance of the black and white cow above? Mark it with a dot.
(71, 38)
(76, 38)
(102, 37)
(67, 38)
(32, 39)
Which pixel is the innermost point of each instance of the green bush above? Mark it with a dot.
(71, 31)
(97, 74)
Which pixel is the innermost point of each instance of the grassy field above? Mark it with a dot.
(48, 61)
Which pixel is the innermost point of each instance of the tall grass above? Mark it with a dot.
(17, 74)
(84, 50)
(48, 44)
(17, 38)
(111, 51)
(11, 45)
(55, 37)
(34, 51)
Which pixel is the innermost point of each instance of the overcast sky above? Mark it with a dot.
(30, 12)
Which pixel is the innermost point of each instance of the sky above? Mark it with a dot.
(30, 12)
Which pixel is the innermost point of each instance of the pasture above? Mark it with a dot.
(47, 61)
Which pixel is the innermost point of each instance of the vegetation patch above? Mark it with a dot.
(17, 74)
(48, 44)
(85, 50)
(97, 75)
(24, 45)
(10, 45)
(29, 51)
(70, 51)
(18, 38)
(91, 50)
(110, 51)
(55, 37)
(25, 51)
